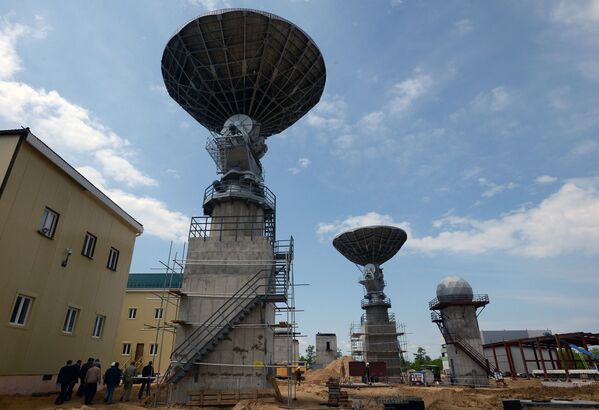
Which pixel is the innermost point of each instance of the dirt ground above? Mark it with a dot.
(313, 391)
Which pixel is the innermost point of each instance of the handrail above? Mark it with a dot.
(219, 313)
(437, 302)
(466, 347)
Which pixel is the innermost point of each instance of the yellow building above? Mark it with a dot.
(145, 330)
(65, 253)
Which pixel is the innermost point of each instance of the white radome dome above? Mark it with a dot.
(453, 286)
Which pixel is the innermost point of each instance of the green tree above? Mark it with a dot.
(309, 356)
(422, 359)
(339, 354)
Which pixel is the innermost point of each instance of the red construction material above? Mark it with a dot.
(377, 369)
(357, 369)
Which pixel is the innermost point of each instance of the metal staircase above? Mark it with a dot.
(266, 286)
(466, 347)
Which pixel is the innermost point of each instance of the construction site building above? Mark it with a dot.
(146, 330)
(326, 349)
(65, 251)
(455, 313)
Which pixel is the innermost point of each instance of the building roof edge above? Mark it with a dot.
(57, 160)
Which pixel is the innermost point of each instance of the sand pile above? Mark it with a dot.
(337, 369)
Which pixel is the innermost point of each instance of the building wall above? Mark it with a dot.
(7, 148)
(31, 265)
(462, 322)
(325, 355)
(138, 332)
(282, 347)
(205, 289)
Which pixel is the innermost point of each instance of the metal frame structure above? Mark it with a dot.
(552, 344)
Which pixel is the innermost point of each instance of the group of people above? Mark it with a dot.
(89, 376)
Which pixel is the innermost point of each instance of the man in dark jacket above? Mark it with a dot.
(64, 379)
(75, 369)
(147, 374)
(84, 369)
(112, 378)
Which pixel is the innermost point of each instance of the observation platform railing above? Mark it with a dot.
(247, 189)
(232, 227)
(456, 300)
(375, 302)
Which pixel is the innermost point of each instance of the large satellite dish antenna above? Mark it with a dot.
(242, 61)
(371, 244)
(244, 75)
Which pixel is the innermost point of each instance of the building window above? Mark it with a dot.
(48, 223)
(113, 258)
(126, 349)
(328, 346)
(70, 320)
(20, 312)
(132, 313)
(89, 245)
(158, 313)
(153, 349)
(98, 326)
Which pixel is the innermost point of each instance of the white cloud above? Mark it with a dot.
(9, 34)
(372, 122)
(585, 147)
(493, 188)
(407, 92)
(545, 179)
(154, 214)
(494, 100)
(327, 230)
(329, 114)
(565, 222)
(209, 4)
(576, 12)
(82, 139)
(302, 164)
(395, 3)
(464, 26)
(121, 170)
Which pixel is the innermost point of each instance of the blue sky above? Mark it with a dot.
(472, 125)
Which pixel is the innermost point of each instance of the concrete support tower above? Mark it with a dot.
(454, 311)
(370, 247)
(326, 349)
(244, 75)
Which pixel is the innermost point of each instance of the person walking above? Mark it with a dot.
(112, 378)
(75, 369)
(298, 376)
(82, 372)
(147, 374)
(128, 376)
(92, 379)
(64, 379)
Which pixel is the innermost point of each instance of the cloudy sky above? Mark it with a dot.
(472, 125)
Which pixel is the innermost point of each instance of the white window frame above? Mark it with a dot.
(89, 245)
(132, 313)
(126, 351)
(113, 258)
(153, 349)
(158, 312)
(17, 316)
(48, 223)
(98, 326)
(70, 320)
